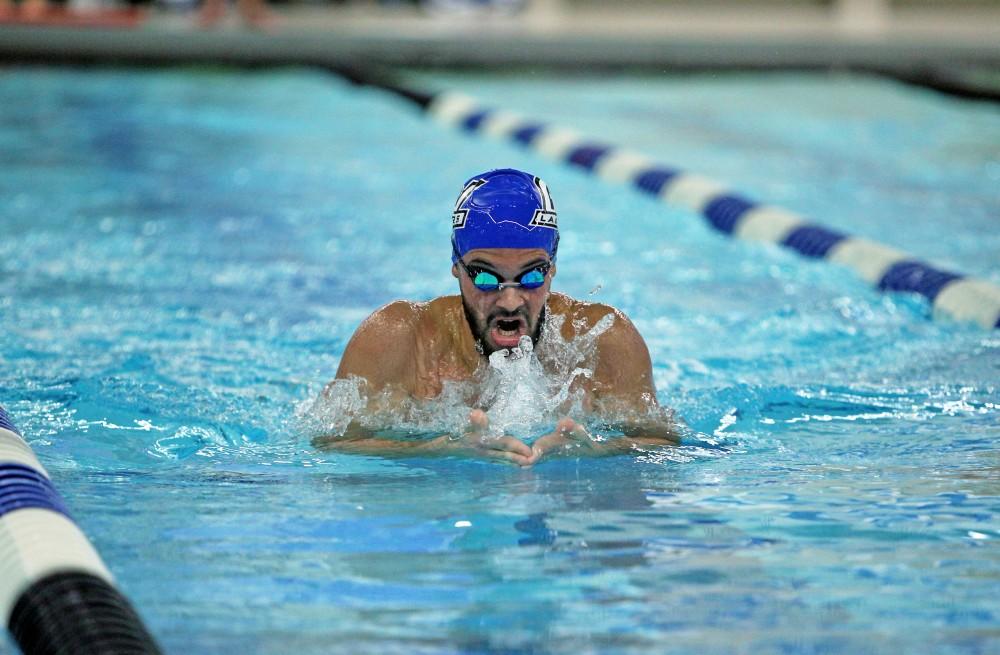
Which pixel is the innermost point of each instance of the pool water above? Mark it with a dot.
(186, 252)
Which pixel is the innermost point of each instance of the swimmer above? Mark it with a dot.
(504, 241)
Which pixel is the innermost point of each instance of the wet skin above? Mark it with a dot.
(408, 350)
(498, 319)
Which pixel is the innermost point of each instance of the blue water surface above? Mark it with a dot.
(186, 252)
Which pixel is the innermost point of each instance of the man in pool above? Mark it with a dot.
(504, 242)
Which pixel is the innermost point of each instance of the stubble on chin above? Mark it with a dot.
(480, 329)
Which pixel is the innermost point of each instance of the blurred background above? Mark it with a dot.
(187, 247)
(958, 39)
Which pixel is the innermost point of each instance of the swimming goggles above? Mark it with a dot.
(486, 280)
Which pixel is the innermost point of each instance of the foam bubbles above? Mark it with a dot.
(334, 409)
(523, 390)
(520, 398)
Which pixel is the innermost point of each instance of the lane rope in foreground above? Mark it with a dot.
(56, 595)
(952, 295)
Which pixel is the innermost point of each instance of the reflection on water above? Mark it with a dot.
(445, 556)
(198, 250)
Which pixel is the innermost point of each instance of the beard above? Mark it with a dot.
(480, 326)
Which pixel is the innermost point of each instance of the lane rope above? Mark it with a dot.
(56, 595)
(951, 295)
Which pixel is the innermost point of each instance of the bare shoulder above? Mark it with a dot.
(442, 308)
(398, 318)
(582, 316)
(623, 365)
(379, 349)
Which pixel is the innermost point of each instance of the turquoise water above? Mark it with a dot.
(185, 254)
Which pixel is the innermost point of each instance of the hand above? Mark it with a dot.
(569, 438)
(477, 441)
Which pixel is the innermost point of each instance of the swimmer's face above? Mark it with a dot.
(498, 319)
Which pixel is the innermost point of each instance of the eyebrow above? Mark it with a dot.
(479, 263)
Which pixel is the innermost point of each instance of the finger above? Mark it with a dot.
(572, 431)
(512, 445)
(566, 425)
(513, 458)
(579, 433)
(510, 450)
(547, 444)
(478, 422)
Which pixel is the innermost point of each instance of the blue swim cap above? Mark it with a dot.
(504, 208)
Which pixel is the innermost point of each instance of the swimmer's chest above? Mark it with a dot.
(432, 365)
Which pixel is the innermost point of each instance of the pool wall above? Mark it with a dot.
(56, 595)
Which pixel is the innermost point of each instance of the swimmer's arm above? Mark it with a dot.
(379, 355)
(625, 396)
(474, 441)
(624, 401)
(360, 440)
(381, 350)
(571, 438)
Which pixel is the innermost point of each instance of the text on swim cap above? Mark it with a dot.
(545, 216)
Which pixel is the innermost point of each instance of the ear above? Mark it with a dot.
(454, 270)
(552, 270)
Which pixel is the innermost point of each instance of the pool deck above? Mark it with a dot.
(915, 43)
(364, 33)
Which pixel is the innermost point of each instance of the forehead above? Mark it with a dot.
(506, 258)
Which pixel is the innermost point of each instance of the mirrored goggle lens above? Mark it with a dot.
(486, 281)
(533, 279)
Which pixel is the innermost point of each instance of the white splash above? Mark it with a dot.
(334, 409)
(523, 390)
(516, 392)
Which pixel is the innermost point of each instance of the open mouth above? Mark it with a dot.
(506, 332)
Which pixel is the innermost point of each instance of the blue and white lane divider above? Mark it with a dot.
(56, 595)
(951, 295)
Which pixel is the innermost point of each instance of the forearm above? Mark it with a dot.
(359, 440)
(649, 434)
(625, 441)
(474, 441)
(604, 438)
(653, 427)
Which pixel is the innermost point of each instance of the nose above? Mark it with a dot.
(510, 299)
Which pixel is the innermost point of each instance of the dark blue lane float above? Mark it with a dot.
(951, 295)
(56, 595)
